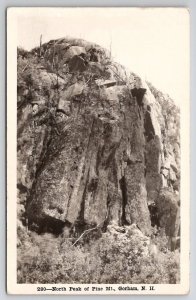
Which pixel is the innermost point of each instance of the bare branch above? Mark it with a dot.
(84, 233)
(88, 230)
(24, 68)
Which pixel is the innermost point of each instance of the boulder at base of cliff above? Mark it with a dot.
(168, 211)
(130, 236)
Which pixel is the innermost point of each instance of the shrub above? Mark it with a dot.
(113, 258)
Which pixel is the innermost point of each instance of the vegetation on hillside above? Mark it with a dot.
(112, 258)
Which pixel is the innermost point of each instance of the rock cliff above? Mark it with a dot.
(88, 154)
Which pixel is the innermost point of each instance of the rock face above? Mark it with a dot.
(87, 153)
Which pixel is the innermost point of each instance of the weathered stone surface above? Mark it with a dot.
(73, 51)
(86, 153)
(169, 212)
(136, 210)
(65, 96)
(96, 69)
(153, 169)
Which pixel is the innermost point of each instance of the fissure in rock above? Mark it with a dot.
(154, 215)
(123, 188)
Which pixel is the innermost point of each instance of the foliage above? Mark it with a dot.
(113, 258)
(22, 52)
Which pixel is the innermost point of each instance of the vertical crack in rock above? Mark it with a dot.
(124, 200)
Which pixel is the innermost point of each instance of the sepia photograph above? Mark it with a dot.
(98, 145)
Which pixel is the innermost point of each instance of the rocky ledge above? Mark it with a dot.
(88, 154)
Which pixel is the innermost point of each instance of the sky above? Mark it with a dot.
(154, 43)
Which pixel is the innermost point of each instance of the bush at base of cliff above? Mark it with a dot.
(127, 258)
(114, 258)
(46, 259)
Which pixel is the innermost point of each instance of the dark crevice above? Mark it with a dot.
(154, 216)
(48, 225)
(107, 218)
(148, 126)
(123, 188)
